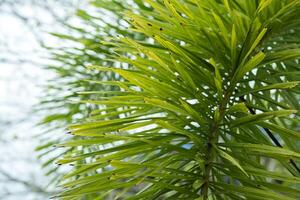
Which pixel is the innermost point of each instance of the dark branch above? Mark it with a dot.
(271, 135)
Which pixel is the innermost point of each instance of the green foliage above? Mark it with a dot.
(82, 45)
(203, 103)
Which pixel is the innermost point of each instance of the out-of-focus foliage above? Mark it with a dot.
(197, 100)
(83, 44)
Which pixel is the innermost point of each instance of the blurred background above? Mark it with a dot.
(24, 30)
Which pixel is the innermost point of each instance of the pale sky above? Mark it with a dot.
(21, 79)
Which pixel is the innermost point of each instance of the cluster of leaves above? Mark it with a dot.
(203, 103)
(83, 45)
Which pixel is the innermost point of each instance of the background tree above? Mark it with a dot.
(24, 25)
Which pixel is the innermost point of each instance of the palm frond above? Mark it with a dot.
(207, 106)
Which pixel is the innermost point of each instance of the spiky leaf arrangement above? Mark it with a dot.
(82, 43)
(206, 106)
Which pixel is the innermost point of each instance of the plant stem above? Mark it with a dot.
(213, 138)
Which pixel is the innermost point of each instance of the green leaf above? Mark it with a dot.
(270, 87)
(261, 117)
(260, 149)
(226, 156)
(251, 64)
(239, 107)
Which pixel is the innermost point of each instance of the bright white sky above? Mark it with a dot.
(20, 89)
